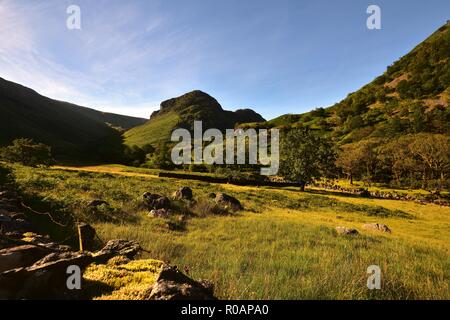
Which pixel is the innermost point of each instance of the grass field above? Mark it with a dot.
(282, 246)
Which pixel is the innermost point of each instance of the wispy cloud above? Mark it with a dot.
(117, 62)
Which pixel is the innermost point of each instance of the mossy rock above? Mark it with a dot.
(121, 279)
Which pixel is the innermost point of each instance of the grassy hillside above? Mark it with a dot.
(282, 246)
(412, 96)
(155, 131)
(71, 130)
(181, 112)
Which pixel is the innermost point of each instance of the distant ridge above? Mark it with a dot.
(70, 129)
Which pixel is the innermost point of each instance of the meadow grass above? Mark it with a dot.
(282, 246)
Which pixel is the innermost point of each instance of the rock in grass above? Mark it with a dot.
(346, 231)
(377, 226)
(172, 284)
(227, 200)
(160, 213)
(118, 247)
(156, 201)
(97, 203)
(183, 193)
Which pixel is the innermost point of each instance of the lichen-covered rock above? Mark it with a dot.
(121, 279)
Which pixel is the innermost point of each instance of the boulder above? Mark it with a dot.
(227, 200)
(47, 278)
(20, 256)
(174, 285)
(159, 213)
(183, 193)
(156, 201)
(346, 231)
(117, 247)
(377, 226)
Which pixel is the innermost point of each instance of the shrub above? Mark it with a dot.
(27, 152)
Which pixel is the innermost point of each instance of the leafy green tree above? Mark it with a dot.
(305, 156)
(27, 152)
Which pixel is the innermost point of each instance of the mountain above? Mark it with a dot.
(412, 96)
(181, 112)
(71, 130)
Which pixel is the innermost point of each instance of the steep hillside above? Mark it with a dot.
(71, 130)
(412, 96)
(181, 112)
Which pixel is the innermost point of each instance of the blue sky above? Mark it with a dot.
(273, 56)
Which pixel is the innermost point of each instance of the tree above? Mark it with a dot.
(359, 159)
(396, 158)
(305, 156)
(161, 157)
(27, 152)
(433, 152)
(349, 160)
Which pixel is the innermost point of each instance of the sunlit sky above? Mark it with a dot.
(274, 56)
